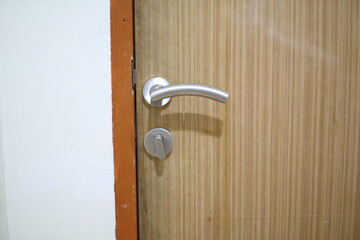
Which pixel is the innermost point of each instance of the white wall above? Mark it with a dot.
(55, 91)
(3, 208)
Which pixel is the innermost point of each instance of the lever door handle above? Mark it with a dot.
(190, 90)
(158, 92)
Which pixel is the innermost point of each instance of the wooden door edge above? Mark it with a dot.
(122, 51)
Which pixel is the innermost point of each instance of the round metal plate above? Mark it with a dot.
(152, 84)
(149, 141)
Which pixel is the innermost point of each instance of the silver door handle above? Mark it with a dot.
(158, 92)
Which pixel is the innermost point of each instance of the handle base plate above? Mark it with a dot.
(150, 144)
(152, 84)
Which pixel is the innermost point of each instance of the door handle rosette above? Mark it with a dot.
(158, 142)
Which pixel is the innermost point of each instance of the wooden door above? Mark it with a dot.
(279, 160)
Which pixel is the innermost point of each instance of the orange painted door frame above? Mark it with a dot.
(122, 52)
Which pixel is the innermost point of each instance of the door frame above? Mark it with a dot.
(123, 100)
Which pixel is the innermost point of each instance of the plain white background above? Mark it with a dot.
(56, 158)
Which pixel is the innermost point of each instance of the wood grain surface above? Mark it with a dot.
(279, 160)
(122, 52)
